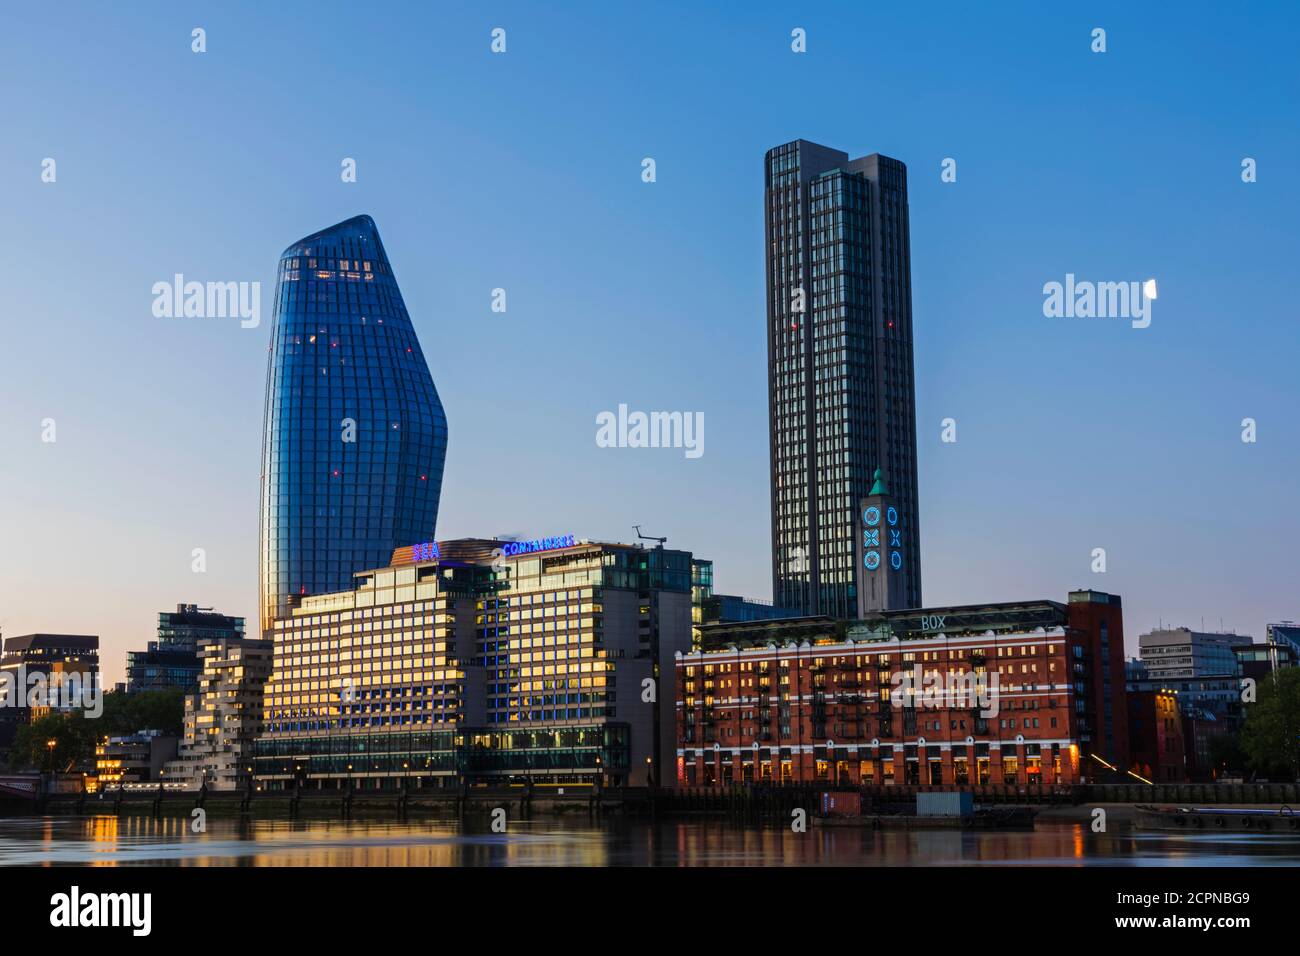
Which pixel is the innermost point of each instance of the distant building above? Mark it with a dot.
(1210, 706)
(1201, 729)
(1220, 694)
(173, 659)
(223, 716)
(133, 758)
(54, 656)
(59, 662)
(1182, 652)
(1210, 699)
(730, 608)
(1288, 633)
(1017, 694)
(710, 608)
(1156, 736)
(1257, 661)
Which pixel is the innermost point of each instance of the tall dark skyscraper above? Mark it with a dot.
(355, 437)
(841, 392)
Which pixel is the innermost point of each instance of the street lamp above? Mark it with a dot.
(51, 744)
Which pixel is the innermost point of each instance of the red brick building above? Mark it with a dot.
(1159, 750)
(966, 696)
(1096, 621)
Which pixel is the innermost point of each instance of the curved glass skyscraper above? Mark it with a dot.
(355, 437)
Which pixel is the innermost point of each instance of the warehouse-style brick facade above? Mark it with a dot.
(1007, 694)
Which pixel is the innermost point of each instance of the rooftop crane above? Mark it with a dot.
(648, 537)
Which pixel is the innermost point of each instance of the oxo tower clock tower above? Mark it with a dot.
(884, 535)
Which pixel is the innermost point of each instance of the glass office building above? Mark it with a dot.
(173, 659)
(481, 661)
(841, 391)
(355, 437)
(1174, 652)
(1288, 634)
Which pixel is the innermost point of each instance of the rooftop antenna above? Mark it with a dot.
(648, 537)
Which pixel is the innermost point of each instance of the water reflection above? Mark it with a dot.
(113, 841)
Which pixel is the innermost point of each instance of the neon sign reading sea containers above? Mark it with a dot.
(512, 548)
(428, 551)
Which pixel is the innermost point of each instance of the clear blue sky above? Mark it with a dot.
(522, 171)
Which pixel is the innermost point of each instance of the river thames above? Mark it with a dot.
(558, 841)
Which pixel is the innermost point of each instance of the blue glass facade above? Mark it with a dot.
(355, 437)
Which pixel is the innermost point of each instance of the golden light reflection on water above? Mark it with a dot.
(840, 845)
(548, 841)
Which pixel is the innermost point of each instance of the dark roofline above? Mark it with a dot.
(84, 642)
(779, 630)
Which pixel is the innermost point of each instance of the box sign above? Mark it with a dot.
(512, 548)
